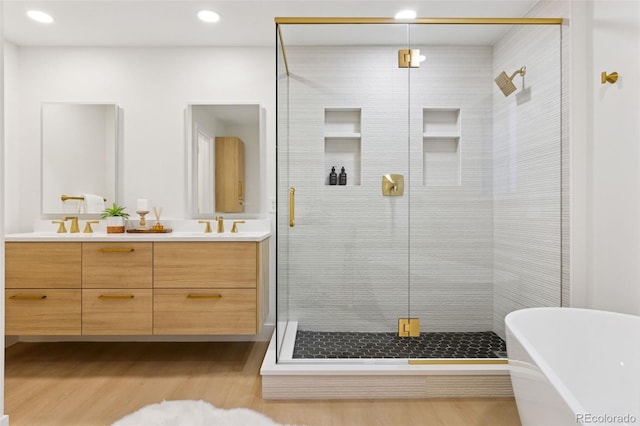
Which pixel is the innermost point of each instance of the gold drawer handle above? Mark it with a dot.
(22, 297)
(115, 250)
(116, 296)
(204, 296)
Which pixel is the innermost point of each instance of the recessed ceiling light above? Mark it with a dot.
(40, 16)
(208, 16)
(406, 14)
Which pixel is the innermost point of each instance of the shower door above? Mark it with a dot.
(450, 215)
(343, 252)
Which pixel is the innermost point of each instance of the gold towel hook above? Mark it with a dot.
(608, 78)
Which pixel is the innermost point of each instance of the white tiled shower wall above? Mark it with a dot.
(349, 251)
(348, 255)
(527, 173)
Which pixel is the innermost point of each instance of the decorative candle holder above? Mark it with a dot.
(143, 222)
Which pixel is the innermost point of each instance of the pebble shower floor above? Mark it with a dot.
(323, 344)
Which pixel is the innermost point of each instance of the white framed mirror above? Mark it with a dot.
(208, 123)
(81, 148)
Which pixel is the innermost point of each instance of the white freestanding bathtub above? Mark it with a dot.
(574, 366)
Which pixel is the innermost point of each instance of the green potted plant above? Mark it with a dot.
(115, 216)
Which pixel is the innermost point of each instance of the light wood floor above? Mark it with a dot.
(98, 383)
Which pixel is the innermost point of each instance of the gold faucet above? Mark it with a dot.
(61, 228)
(234, 229)
(220, 224)
(207, 228)
(87, 226)
(74, 224)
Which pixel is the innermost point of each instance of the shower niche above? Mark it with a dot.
(441, 146)
(342, 143)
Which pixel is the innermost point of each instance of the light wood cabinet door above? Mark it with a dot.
(117, 265)
(42, 312)
(42, 265)
(204, 311)
(205, 264)
(117, 311)
(229, 174)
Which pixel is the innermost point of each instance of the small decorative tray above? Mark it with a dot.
(150, 231)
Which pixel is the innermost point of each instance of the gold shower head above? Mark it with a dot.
(505, 83)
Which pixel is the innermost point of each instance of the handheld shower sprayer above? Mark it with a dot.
(505, 83)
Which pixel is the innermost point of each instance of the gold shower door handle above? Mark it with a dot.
(292, 207)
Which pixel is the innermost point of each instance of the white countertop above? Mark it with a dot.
(182, 230)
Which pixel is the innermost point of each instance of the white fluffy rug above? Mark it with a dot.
(193, 413)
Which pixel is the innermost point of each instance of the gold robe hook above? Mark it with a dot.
(608, 78)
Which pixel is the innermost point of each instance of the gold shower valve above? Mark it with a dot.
(392, 185)
(608, 78)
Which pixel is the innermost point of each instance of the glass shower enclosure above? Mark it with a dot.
(419, 185)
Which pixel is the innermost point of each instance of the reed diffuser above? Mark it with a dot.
(157, 226)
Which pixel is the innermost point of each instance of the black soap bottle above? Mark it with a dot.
(333, 177)
(342, 179)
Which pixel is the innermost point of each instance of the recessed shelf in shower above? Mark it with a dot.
(441, 146)
(342, 140)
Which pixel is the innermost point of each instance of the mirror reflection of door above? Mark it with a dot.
(205, 172)
(206, 123)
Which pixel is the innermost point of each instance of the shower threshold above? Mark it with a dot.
(287, 377)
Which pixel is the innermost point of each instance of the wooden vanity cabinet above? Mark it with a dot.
(209, 287)
(135, 288)
(117, 281)
(43, 288)
(229, 174)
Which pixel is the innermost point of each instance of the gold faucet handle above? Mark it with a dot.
(61, 228)
(220, 220)
(207, 227)
(74, 223)
(234, 228)
(87, 226)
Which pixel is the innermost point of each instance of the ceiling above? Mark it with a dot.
(243, 22)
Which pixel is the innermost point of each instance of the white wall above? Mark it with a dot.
(153, 87)
(613, 161)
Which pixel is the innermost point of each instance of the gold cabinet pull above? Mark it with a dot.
(26, 297)
(292, 207)
(204, 296)
(116, 296)
(115, 250)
